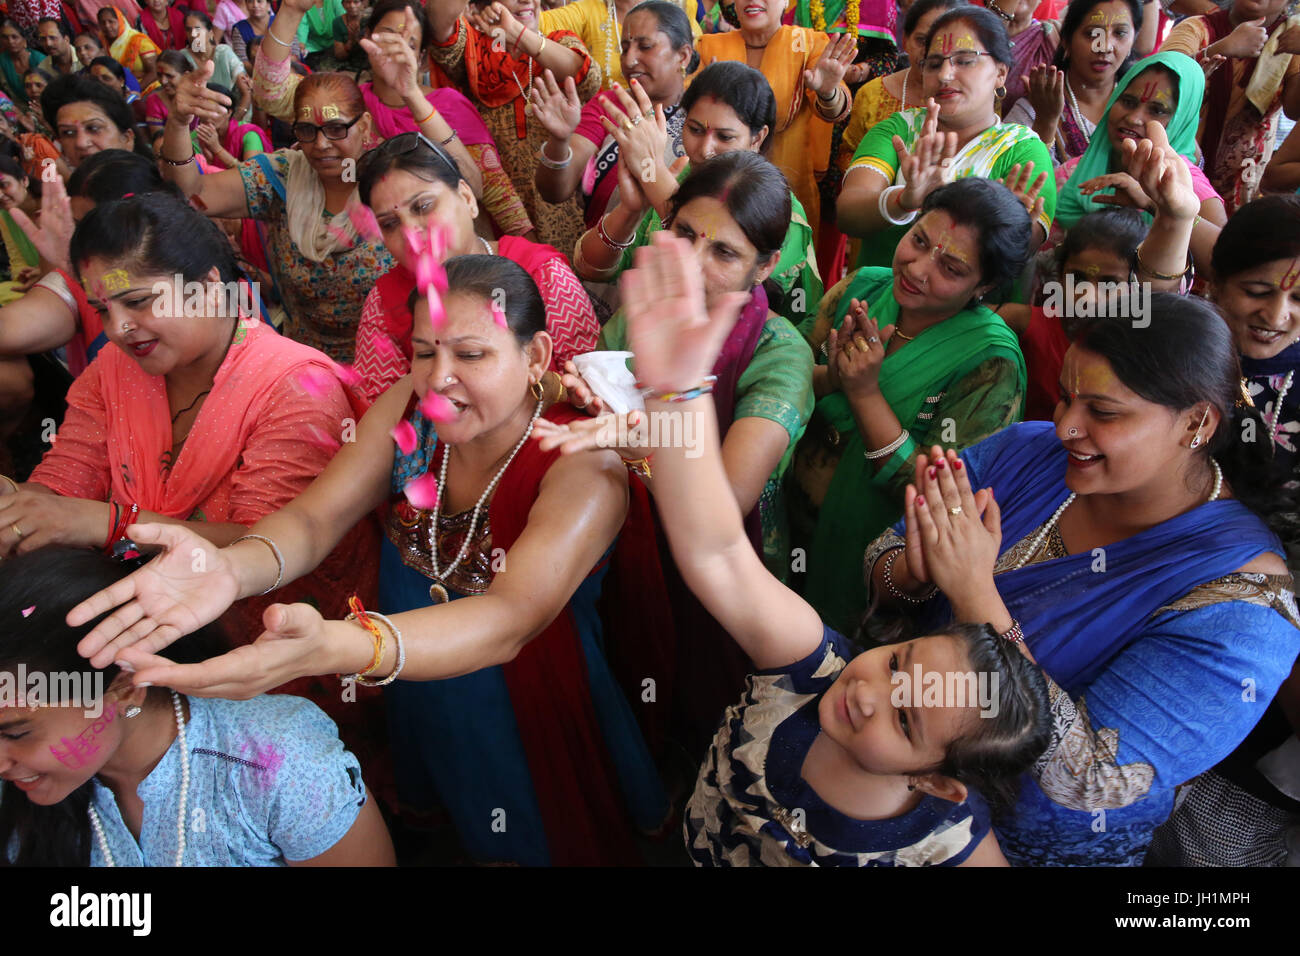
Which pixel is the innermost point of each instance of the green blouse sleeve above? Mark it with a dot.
(983, 401)
(777, 384)
(876, 150)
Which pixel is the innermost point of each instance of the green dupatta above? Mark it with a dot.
(859, 504)
(1071, 204)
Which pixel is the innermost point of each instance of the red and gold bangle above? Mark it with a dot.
(359, 615)
(433, 111)
(639, 466)
(704, 388)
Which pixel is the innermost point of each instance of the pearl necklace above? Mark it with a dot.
(1046, 529)
(438, 590)
(906, 76)
(98, 827)
(1074, 105)
(612, 39)
(1277, 406)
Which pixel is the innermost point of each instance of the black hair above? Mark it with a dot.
(997, 749)
(11, 22)
(176, 59)
(51, 581)
(109, 64)
(674, 24)
(199, 15)
(383, 8)
(1185, 356)
(1073, 20)
(1264, 230)
(988, 27)
(742, 88)
(410, 153)
(1117, 231)
(11, 165)
(81, 88)
(58, 21)
(496, 279)
(999, 219)
(112, 173)
(754, 192)
(918, 10)
(224, 91)
(143, 229)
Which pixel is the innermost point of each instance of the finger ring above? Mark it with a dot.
(955, 511)
(872, 339)
(627, 126)
(636, 120)
(649, 114)
(17, 530)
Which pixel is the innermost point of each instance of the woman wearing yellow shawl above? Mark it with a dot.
(133, 49)
(806, 70)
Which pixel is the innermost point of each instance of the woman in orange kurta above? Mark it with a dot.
(806, 70)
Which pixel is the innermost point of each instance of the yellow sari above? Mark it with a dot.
(130, 47)
(801, 142)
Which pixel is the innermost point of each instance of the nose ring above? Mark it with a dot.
(448, 380)
(1073, 432)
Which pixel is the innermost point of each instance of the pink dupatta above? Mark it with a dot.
(452, 104)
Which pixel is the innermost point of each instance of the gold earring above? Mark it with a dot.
(1196, 441)
(536, 390)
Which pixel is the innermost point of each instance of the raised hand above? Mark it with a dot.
(1246, 41)
(639, 127)
(193, 98)
(391, 56)
(631, 193)
(556, 107)
(581, 395)
(1128, 192)
(828, 72)
(1020, 180)
(925, 167)
(495, 20)
(1045, 88)
(53, 237)
(587, 434)
(190, 584)
(856, 351)
(1161, 174)
(675, 337)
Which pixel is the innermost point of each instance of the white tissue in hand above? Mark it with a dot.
(611, 380)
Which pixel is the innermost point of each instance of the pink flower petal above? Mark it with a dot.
(437, 408)
(404, 434)
(437, 240)
(424, 264)
(340, 236)
(347, 375)
(422, 492)
(415, 241)
(27, 611)
(499, 317)
(438, 276)
(437, 314)
(316, 382)
(364, 222)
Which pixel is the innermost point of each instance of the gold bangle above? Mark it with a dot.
(12, 484)
(542, 47)
(639, 466)
(1163, 276)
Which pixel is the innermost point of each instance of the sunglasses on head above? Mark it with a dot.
(336, 130)
(404, 143)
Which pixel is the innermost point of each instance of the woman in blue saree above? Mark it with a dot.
(1126, 542)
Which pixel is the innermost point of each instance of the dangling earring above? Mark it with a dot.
(537, 391)
(1000, 93)
(1196, 440)
(132, 711)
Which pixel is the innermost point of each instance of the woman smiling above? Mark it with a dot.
(908, 355)
(903, 159)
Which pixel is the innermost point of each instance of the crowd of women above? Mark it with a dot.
(619, 432)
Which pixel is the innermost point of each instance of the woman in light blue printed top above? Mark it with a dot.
(146, 777)
(829, 759)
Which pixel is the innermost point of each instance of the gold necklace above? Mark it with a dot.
(903, 335)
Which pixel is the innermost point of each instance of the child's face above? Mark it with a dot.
(50, 751)
(1090, 268)
(861, 711)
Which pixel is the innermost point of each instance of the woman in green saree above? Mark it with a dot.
(907, 357)
(728, 106)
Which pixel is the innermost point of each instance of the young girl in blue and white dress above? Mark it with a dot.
(829, 758)
(147, 777)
